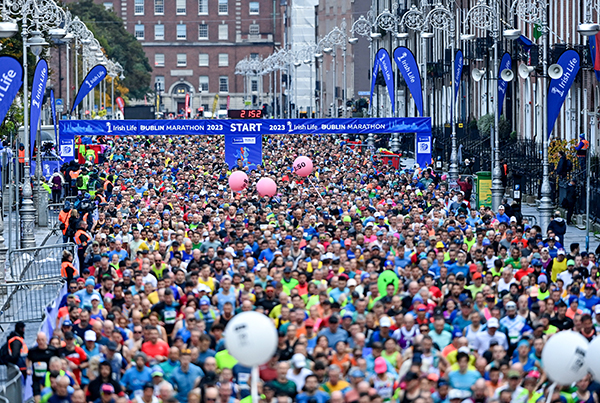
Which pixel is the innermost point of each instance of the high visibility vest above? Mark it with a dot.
(23, 353)
(63, 269)
(63, 217)
(78, 240)
(21, 156)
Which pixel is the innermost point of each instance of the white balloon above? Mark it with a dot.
(564, 357)
(592, 358)
(251, 338)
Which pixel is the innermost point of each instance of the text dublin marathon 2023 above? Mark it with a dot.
(69, 128)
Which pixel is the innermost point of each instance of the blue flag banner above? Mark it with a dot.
(246, 148)
(458, 68)
(38, 88)
(53, 106)
(559, 87)
(385, 64)
(373, 79)
(11, 79)
(410, 71)
(525, 42)
(423, 147)
(93, 78)
(594, 39)
(48, 167)
(505, 64)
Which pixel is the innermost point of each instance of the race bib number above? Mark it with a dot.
(170, 317)
(39, 369)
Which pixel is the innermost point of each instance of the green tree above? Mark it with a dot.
(486, 122)
(118, 44)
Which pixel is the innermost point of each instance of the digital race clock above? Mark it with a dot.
(244, 113)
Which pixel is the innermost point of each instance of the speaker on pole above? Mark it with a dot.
(525, 71)
(555, 71)
(477, 74)
(507, 75)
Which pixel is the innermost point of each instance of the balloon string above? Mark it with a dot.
(316, 190)
(550, 392)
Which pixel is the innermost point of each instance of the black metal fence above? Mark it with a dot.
(523, 157)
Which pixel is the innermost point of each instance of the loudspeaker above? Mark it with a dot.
(555, 71)
(525, 71)
(477, 74)
(507, 75)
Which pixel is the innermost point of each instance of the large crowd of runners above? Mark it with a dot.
(384, 285)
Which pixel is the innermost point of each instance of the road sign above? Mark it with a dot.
(59, 102)
(60, 108)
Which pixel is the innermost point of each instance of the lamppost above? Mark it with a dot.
(337, 37)
(35, 16)
(535, 12)
(589, 28)
(484, 17)
(442, 19)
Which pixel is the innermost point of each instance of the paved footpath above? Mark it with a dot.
(573, 234)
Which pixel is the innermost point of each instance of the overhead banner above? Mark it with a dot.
(458, 68)
(410, 71)
(559, 87)
(423, 147)
(243, 150)
(38, 88)
(11, 79)
(93, 78)
(262, 126)
(505, 64)
(53, 107)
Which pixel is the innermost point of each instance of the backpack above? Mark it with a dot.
(569, 166)
(80, 181)
(5, 357)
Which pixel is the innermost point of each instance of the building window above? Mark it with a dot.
(108, 5)
(223, 59)
(180, 7)
(253, 56)
(254, 29)
(202, 31)
(138, 8)
(223, 84)
(254, 85)
(223, 32)
(159, 32)
(139, 31)
(223, 6)
(203, 59)
(254, 7)
(159, 7)
(159, 83)
(203, 84)
(181, 60)
(159, 60)
(203, 7)
(181, 32)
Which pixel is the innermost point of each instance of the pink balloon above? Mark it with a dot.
(303, 166)
(444, 177)
(238, 181)
(266, 187)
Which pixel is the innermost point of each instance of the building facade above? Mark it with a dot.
(193, 47)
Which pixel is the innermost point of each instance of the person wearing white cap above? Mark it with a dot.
(486, 337)
(298, 371)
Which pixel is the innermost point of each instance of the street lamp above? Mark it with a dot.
(35, 16)
(535, 12)
(484, 17)
(442, 19)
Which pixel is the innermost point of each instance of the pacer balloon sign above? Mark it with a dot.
(303, 166)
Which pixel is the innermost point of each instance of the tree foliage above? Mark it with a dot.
(118, 44)
(486, 122)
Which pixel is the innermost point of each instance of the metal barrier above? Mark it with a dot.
(37, 264)
(26, 301)
(53, 212)
(11, 386)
